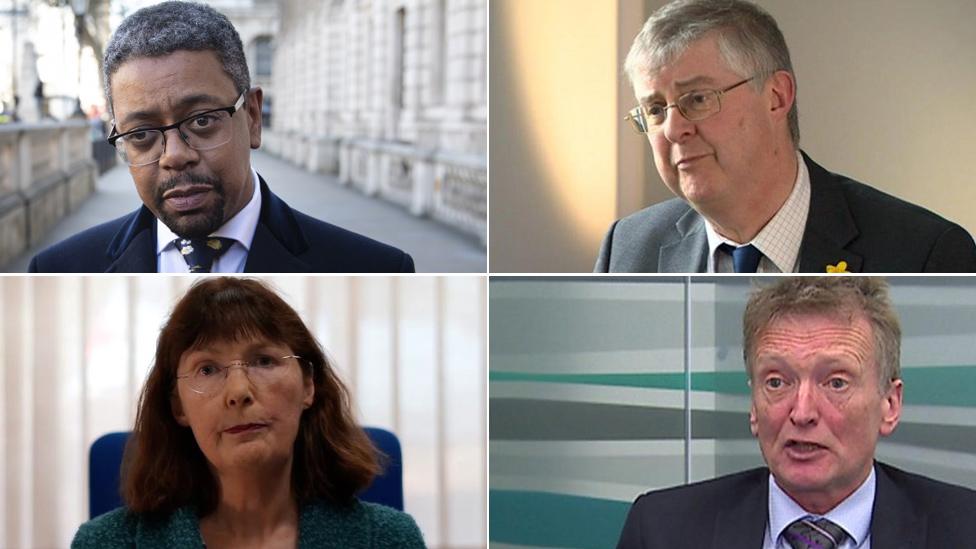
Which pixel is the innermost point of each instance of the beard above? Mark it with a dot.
(197, 223)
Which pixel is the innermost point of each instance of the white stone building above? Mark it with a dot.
(391, 96)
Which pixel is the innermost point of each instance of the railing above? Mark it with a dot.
(46, 170)
(449, 187)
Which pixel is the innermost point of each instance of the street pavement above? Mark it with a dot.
(435, 247)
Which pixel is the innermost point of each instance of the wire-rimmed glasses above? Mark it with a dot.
(201, 131)
(208, 377)
(695, 105)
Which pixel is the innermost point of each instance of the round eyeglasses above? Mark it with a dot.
(208, 377)
(202, 131)
(695, 105)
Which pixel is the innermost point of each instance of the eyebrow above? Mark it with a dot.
(683, 85)
(183, 104)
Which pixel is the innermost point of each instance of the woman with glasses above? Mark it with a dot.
(245, 438)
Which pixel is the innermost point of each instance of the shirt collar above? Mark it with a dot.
(853, 514)
(781, 237)
(241, 227)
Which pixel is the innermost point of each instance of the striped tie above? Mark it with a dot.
(200, 253)
(807, 533)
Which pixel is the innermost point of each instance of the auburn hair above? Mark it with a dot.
(163, 468)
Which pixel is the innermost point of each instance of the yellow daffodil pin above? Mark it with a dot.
(840, 268)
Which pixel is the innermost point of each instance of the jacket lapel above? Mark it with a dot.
(278, 238)
(895, 523)
(743, 526)
(830, 225)
(133, 249)
(688, 253)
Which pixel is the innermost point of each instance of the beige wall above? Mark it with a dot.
(885, 96)
(556, 149)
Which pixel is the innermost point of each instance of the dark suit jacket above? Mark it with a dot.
(848, 221)
(285, 241)
(730, 512)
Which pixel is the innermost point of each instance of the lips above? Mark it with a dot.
(688, 160)
(244, 428)
(187, 198)
(803, 449)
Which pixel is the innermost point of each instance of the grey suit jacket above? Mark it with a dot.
(730, 512)
(848, 221)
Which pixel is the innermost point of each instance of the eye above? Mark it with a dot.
(655, 111)
(202, 122)
(775, 383)
(698, 98)
(838, 383)
(208, 370)
(264, 361)
(140, 137)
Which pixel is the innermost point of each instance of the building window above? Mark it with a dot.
(262, 56)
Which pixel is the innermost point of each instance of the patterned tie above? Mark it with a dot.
(745, 259)
(807, 533)
(200, 253)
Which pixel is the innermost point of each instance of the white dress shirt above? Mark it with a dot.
(779, 240)
(241, 228)
(853, 515)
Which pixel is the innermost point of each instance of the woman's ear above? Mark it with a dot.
(177, 408)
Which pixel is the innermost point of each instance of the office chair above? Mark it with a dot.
(105, 461)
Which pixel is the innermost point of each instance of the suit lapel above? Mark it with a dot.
(133, 249)
(895, 523)
(687, 254)
(742, 526)
(278, 238)
(830, 225)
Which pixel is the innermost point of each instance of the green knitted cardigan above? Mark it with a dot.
(321, 525)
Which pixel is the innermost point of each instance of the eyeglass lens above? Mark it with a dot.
(204, 132)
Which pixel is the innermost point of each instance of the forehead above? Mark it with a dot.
(700, 65)
(805, 336)
(152, 85)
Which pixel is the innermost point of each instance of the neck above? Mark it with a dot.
(254, 504)
(741, 222)
(821, 503)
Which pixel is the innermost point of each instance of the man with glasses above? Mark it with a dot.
(717, 100)
(184, 120)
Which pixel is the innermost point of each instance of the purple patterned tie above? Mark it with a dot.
(807, 533)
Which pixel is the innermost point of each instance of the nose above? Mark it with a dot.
(677, 128)
(176, 153)
(804, 410)
(237, 389)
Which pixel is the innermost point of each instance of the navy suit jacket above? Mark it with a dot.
(285, 241)
(730, 512)
(848, 221)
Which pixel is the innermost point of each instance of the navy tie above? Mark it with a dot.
(200, 253)
(745, 259)
(807, 533)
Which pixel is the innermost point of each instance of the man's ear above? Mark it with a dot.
(753, 420)
(177, 408)
(891, 408)
(255, 99)
(782, 93)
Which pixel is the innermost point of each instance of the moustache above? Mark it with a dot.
(186, 179)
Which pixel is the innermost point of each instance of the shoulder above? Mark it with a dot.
(932, 494)
(661, 216)
(706, 497)
(632, 242)
(113, 529)
(87, 251)
(359, 524)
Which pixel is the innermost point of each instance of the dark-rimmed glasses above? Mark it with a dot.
(201, 131)
(695, 105)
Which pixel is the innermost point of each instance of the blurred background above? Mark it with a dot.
(884, 94)
(375, 118)
(74, 352)
(601, 389)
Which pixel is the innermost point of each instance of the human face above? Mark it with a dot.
(192, 192)
(244, 425)
(817, 407)
(713, 162)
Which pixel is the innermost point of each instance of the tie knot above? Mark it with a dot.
(808, 533)
(745, 259)
(200, 253)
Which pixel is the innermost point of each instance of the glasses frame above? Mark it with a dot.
(225, 370)
(113, 136)
(636, 115)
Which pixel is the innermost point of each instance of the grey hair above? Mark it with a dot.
(749, 40)
(162, 29)
(837, 296)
